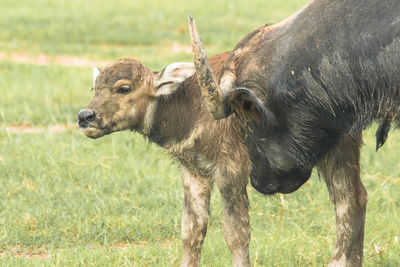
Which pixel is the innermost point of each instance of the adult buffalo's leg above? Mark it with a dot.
(196, 210)
(341, 171)
(235, 218)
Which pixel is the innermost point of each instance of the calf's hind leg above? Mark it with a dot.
(235, 218)
(341, 171)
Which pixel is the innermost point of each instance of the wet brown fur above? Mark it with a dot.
(204, 147)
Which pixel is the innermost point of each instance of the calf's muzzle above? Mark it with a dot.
(85, 118)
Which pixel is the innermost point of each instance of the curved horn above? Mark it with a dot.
(210, 89)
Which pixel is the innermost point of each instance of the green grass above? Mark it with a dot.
(111, 29)
(66, 200)
(65, 190)
(78, 200)
(42, 95)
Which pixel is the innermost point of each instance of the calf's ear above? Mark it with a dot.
(171, 77)
(96, 72)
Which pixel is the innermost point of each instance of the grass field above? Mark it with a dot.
(66, 200)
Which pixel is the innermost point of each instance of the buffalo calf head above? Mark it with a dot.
(125, 93)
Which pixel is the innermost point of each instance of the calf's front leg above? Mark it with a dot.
(196, 210)
(341, 172)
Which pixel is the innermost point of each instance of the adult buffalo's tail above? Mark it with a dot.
(382, 133)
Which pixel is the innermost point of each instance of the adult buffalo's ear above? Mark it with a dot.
(249, 107)
(96, 72)
(170, 78)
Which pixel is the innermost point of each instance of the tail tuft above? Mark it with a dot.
(382, 133)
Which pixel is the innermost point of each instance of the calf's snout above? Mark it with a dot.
(85, 117)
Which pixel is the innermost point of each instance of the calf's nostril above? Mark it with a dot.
(86, 115)
(90, 117)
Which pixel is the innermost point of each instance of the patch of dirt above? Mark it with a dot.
(25, 129)
(178, 48)
(26, 255)
(44, 255)
(43, 59)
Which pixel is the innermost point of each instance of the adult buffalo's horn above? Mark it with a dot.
(210, 89)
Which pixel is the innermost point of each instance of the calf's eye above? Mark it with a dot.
(124, 90)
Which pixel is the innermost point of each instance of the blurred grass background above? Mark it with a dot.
(66, 200)
(111, 29)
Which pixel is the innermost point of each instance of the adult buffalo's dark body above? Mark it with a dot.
(290, 97)
(329, 70)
